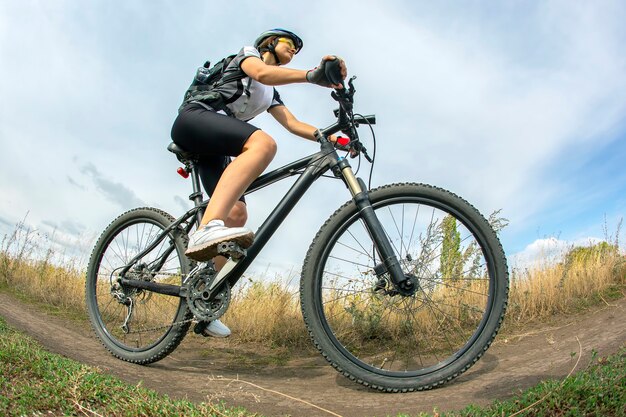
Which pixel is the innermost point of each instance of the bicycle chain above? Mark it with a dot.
(165, 326)
(232, 250)
(179, 323)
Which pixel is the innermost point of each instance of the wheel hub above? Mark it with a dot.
(407, 288)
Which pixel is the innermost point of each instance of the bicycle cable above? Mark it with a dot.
(369, 182)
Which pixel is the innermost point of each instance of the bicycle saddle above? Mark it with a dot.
(180, 153)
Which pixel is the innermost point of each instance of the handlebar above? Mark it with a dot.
(347, 122)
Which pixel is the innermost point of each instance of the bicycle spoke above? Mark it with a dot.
(351, 262)
(405, 333)
(151, 312)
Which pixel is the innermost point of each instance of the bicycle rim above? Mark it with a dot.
(152, 314)
(432, 335)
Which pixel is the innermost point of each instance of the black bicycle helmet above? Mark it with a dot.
(279, 32)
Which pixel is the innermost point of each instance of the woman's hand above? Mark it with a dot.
(340, 147)
(318, 74)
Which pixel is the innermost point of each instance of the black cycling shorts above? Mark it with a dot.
(214, 137)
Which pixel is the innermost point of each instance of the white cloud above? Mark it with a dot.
(479, 99)
(548, 251)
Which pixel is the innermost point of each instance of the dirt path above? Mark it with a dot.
(197, 369)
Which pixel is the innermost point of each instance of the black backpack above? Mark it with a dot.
(206, 79)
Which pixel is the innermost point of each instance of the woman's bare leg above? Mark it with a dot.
(258, 152)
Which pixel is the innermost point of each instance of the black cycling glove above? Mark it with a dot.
(318, 74)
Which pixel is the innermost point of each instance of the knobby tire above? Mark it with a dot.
(397, 343)
(159, 322)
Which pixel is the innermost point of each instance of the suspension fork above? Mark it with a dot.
(361, 198)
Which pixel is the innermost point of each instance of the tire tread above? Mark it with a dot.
(172, 341)
(381, 385)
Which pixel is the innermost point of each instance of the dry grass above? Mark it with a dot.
(542, 291)
(268, 313)
(31, 269)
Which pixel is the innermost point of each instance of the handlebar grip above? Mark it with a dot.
(332, 70)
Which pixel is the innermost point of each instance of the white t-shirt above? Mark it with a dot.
(247, 98)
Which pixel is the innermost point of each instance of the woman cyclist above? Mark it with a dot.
(218, 129)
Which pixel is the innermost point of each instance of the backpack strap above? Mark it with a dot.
(204, 93)
(215, 106)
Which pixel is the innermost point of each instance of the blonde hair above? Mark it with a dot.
(266, 42)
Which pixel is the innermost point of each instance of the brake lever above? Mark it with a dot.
(351, 85)
(363, 151)
(358, 148)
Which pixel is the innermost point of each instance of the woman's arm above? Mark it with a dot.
(274, 75)
(271, 75)
(293, 125)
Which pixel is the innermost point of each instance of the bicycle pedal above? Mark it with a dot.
(231, 249)
(199, 328)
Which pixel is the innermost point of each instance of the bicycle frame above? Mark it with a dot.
(309, 169)
(352, 266)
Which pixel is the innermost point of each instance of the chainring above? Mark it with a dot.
(203, 308)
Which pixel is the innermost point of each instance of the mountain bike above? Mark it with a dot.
(403, 288)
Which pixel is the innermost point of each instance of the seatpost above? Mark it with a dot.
(196, 196)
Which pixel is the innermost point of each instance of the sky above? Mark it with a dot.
(516, 106)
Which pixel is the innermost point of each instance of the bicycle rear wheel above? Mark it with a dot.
(137, 325)
(394, 342)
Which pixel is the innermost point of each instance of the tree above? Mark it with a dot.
(585, 254)
(451, 266)
(456, 264)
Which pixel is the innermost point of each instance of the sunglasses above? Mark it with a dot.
(288, 42)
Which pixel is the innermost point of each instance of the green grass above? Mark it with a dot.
(36, 382)
(599, 390)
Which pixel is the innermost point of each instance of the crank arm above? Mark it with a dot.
(221, 276)
(235, 253)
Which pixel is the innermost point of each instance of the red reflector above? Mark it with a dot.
(343, 141)
(181, 171)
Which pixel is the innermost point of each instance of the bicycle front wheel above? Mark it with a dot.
(137, 325)
(394, 342)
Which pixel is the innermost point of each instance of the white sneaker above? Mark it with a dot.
(216, 329)
(203, 242)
